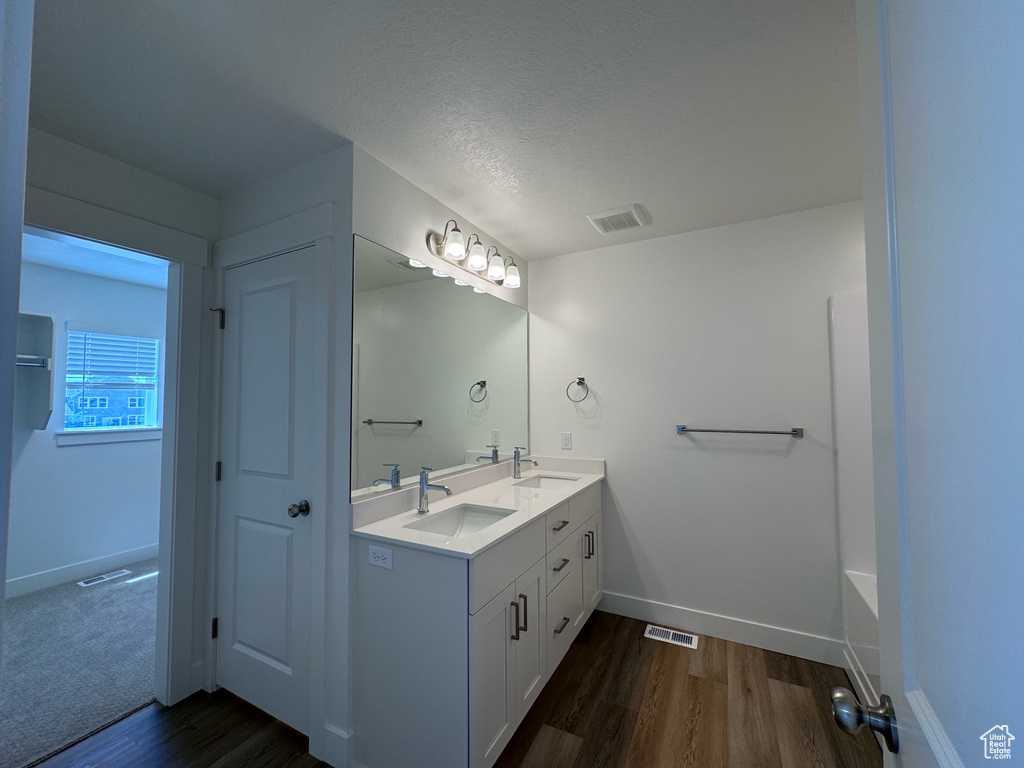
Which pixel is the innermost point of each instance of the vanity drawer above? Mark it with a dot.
(584, 506)
(565, 604)
(494, 569)
(562, 559)
(559, 525)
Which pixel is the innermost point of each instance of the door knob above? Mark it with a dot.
(302, 508)
(851, 715)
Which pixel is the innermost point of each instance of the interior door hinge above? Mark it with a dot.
(218, 472)
(220, 314)
(213, 633)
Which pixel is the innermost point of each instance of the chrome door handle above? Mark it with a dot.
(526, 614)
(302, 508)
(851, 715)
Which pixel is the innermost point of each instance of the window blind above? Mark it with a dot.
(100, 358)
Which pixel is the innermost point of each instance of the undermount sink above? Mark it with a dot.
(463, 520)
(546, 482)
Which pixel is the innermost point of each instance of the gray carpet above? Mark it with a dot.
(74, 659)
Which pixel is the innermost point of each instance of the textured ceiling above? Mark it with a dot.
(524, 115)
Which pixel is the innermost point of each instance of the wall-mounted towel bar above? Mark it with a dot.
(682, 429)
(31, 361)
(417, 423)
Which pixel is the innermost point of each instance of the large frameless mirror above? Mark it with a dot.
(439, 373)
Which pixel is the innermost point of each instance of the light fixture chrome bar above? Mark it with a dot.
(371, 422)
(682, 429)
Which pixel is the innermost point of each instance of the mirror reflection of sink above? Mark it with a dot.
(463, 520)
(546, 482)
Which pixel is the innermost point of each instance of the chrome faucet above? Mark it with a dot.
(493, 457)
(396, 477)
(517, 459)
(423, 508)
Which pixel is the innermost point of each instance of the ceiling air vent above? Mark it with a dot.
(618, 219)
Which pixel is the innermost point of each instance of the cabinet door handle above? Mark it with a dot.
(526, 614)
(563, 625)
(593, 543)
(560, 527)
(565, 562)
(590, 545)
(515, 605)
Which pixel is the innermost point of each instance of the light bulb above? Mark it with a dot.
(477, 257)
(455, 245)
(417, 264)
(478, 290)
(512, 277)
(496, 269)
(439, 273)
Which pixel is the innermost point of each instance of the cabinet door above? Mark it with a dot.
(592, 563)
(531, 647)
(580, 547)
(492, 686)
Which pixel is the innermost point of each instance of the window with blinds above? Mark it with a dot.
(112, 381)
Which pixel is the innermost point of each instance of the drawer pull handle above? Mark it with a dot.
(563, 625)
(526, 614)
(515, 605)
(565, 562)
(560, 527)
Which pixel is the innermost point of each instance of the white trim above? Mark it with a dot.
(100, 436)
(861, 682)
(337, 747)
(49, 210)
(33, 582)
(936, 736)
(789, 641)
(287, 234)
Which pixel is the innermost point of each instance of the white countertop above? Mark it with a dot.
(529, 503)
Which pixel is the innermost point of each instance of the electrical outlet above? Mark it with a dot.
(381, 557)
(495, 437)
(567, 441)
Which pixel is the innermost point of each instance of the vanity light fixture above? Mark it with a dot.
(496, 266)
(477, 256)
(511, 274)
(451, 244)
(478, 290)
(417, 264)
(439, 273)
(460, 282)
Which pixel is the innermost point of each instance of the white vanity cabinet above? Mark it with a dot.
(450, 653)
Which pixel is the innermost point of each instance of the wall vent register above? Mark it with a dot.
(672, 636)
(618, 219)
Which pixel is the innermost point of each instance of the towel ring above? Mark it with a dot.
(479, 385)
(579, 381)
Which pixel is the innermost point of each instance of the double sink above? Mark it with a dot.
(469, 519)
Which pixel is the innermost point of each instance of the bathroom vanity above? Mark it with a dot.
(460, 615)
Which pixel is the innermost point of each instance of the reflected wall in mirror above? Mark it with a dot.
(419, 344)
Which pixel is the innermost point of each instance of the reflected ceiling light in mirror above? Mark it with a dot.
(478, 290)
(460, 282)
(439, 273)
(417, 264)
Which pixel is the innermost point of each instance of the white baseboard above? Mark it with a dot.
(22, 585)
(791, 642)
(337, 747)
(861, 682)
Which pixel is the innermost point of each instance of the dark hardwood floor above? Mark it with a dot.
(617, 700)
(216, 730)
(621, 701)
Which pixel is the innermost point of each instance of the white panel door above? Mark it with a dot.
(944, 214)
(492, 679)
(531, 643)
(263, 552)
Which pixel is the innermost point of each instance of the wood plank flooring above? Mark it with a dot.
(616, 701)
(206, 730)
(620, 701)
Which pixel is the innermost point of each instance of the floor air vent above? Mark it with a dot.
(671, 636)
(104, 577)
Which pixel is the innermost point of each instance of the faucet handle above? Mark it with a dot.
(521, 448)
(489, 445)
(427, 469)
(391, 465)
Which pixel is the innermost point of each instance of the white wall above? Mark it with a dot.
(731, 535)
(421, 347)
(80, 510)
(391, 211)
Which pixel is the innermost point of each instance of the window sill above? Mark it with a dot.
(96, 436)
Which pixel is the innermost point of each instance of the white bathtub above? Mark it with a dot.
(860, 622)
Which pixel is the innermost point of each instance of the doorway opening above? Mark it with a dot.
(80, 617)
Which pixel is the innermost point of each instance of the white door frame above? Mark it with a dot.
(313, 227)
(181, 455)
